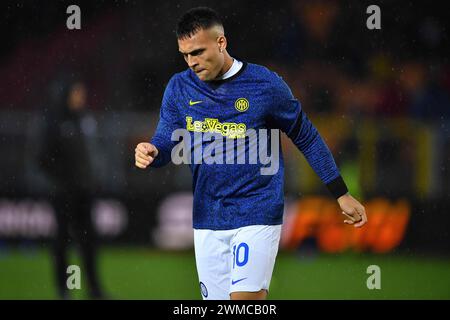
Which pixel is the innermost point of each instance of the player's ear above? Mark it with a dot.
(222, 43)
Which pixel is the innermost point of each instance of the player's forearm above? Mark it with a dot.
(321, 160)
(319, 157)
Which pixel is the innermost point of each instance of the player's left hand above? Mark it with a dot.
(353, 210)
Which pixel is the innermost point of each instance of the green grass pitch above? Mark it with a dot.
(141, 273)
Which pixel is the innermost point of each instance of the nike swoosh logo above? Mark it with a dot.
(191, 103)
(234, 282)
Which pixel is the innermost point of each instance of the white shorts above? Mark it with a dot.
(235, 260)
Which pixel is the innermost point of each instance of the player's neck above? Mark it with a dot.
(228, 62)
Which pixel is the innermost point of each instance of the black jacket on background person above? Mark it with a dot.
(65, 157)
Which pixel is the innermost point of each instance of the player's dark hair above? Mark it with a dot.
(197, 19)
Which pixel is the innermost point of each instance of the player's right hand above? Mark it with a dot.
(144, 155)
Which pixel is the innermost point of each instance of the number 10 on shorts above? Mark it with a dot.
(240, 254)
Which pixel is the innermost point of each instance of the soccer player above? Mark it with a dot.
(238, 211)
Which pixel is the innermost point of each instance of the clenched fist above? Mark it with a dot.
(144, 155)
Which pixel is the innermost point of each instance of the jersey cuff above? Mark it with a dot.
(162, 158)
(337, 187)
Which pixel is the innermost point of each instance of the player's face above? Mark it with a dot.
(202, 53)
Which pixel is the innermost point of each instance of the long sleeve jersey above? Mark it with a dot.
(229, 196)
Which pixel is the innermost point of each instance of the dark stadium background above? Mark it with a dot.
(380, 98)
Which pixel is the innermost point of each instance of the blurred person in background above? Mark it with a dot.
(426, 96)
(65, 158)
